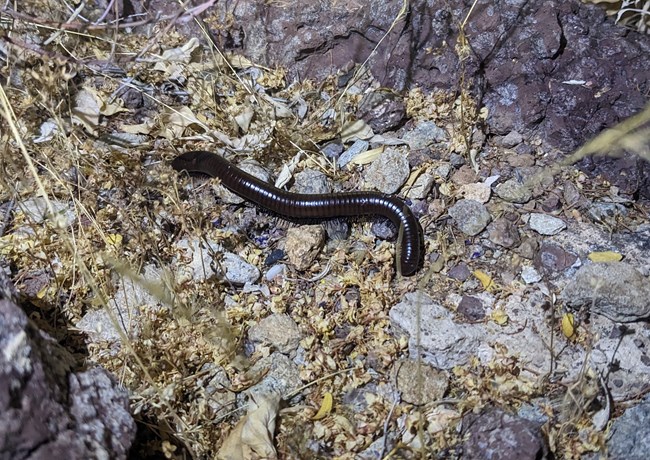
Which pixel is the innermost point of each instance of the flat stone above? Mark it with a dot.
(281, 375)
(553, 259)
(530, 275)
(444, 343)
(420, 383)
(545, 224)
(303, 245)
(382, 110)
(277, 330)
(521, 160)
(511, 139)
(209, 259)
(130, 296)
(630, 434)
(36, 210)
(421, 187)
(389, 172)
(48, 408)
(311, 181)
(459, 272)
(355, 150)
(504, 233)
(472, 308)
(479, 191)
(470, 216)
(495, 433)
(464, 175)
(424, 134)
(613, 289)
(514, 191)
(629, 344)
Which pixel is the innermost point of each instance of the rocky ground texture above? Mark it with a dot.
(524, 334)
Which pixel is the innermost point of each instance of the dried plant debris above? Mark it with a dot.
(241, 335)
(634, 14)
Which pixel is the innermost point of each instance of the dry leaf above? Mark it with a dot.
(181, 54)
(252, 437)
(174, 123)
(446, 189)
(368, 156)
(486, 280)
(87, 110)
(499, 316)
(605, 256)
(244, 119)
(356, 130)
(568, 327)
(142, 128)
(41, 294)
(239, 62)
(280, 109)
(112, 109)
(325, 406)
(287, 171)
(114, 239)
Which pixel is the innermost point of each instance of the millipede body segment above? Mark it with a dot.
(311, 206)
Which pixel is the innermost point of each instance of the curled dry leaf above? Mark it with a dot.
(325, 407)
(486, 280)
(181, 54)
(87, 110)
(357, 129)
(368, 156)
(174, 123)
(568, 325)
(252, 437)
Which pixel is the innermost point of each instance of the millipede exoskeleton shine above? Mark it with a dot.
(311, 206)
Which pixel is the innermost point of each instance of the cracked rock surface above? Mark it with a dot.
(49, 410)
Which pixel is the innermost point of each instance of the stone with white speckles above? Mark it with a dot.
(545, 224)
(470, 216)
(389, 172)
(514, 191)
(530, 275)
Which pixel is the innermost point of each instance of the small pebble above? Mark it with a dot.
(332, 149)
(545, 224)
(470, 216)
(389, 172)
(355, 149)
(303, 245)
(460, 272)
(530, 275)
(311, 181)
(421, 187)
(511, 139)
(275, 271)
(472, 308)
(504, 233)
(424, 134)
(514, 191)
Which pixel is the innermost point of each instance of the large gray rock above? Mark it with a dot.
(630, 434)
(616, 290)
(47, 410)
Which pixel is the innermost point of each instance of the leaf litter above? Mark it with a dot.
(188, 364)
